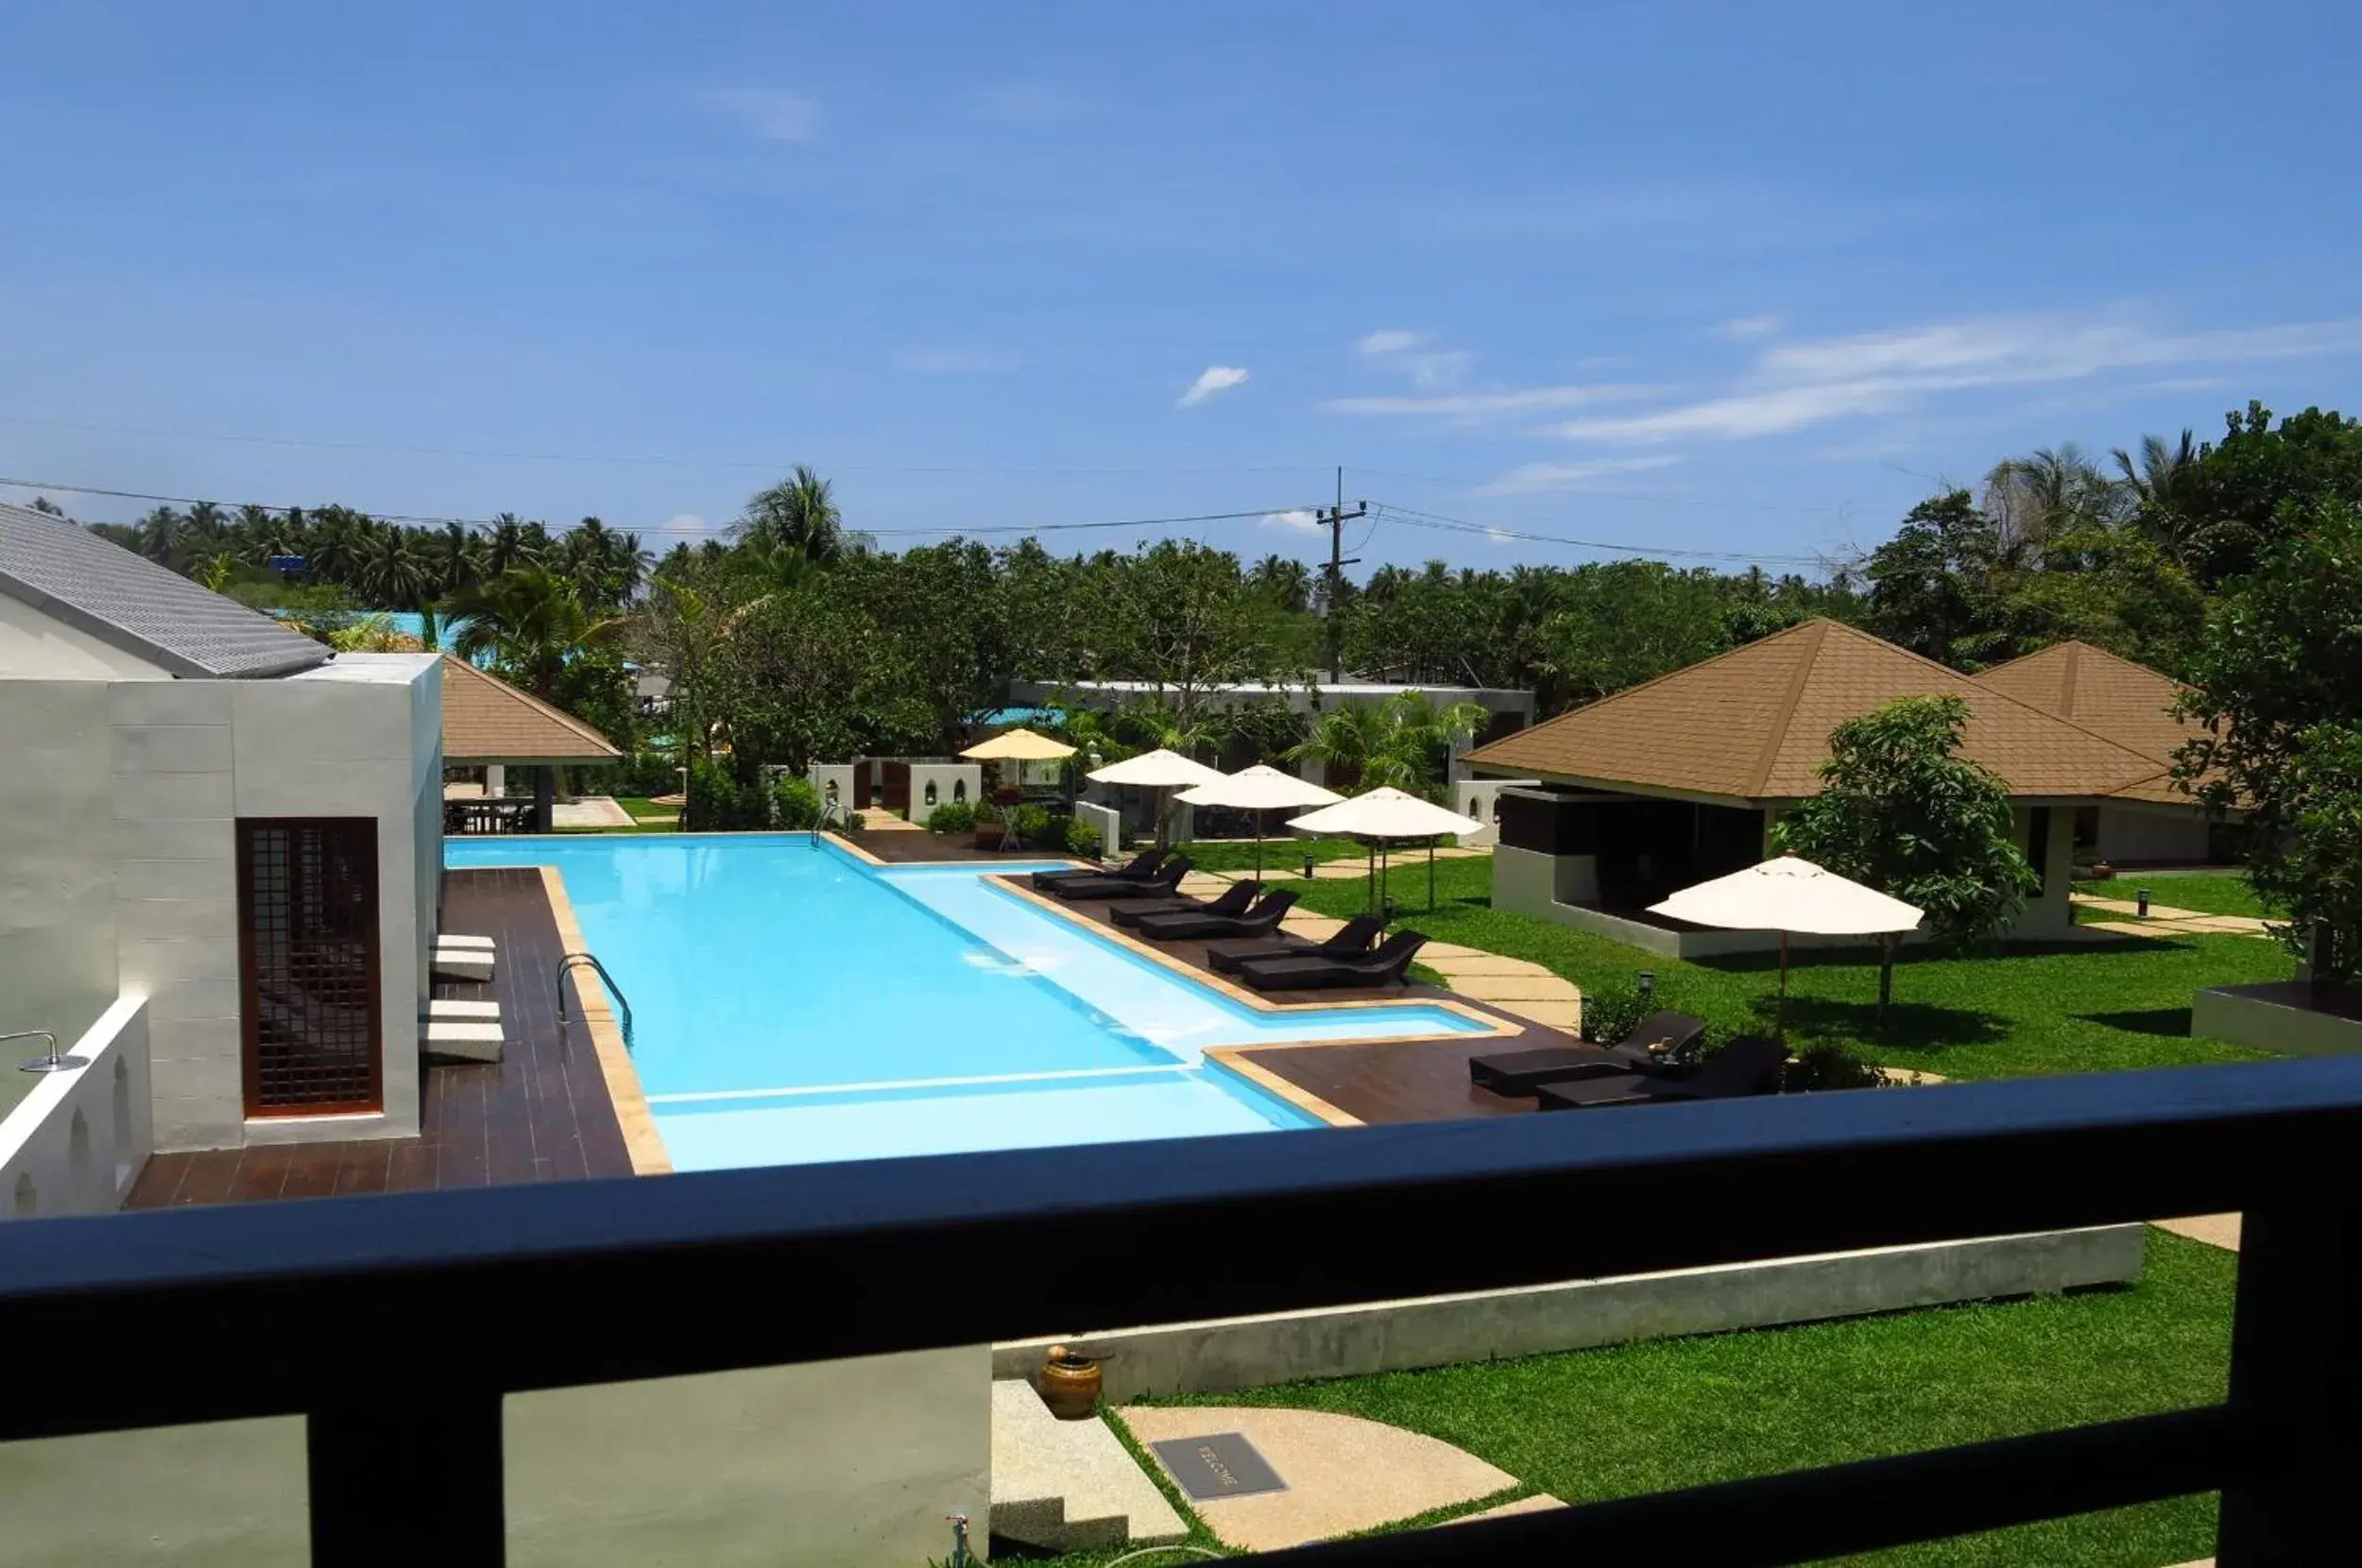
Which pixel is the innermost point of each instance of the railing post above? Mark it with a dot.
(404, 1485)
(2296, 1384)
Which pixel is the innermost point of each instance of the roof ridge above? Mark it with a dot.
(2066, 680)
(1775, 740)
(1596, 702)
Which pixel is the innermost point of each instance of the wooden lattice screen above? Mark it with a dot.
(308, 954)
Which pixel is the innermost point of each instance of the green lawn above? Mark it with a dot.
(1284, 851)
(2026, 1010)
(1669, 1414)
(2203, 892)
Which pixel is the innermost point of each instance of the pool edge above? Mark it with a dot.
(641, 1141)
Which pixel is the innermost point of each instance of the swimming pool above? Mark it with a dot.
(792, 1004)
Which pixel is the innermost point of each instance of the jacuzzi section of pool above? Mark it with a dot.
(792, 1004)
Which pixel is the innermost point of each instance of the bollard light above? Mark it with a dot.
(1308, 868)
(2141, 902)
(1646, 980)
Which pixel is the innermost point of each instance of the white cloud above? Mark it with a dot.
(1534, 478)
(1213, 378)
(770, 113)
(1479, 406)
(1748, 328)
(1800, 384)
(1303, 519)
(680, 523)
(1390, 340)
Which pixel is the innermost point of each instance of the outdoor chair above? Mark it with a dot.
(1384, 965)
(1750, 1065)
(1139, 869)
(1659, 1045)
(1166, 878)
(1351, 939)
(1186, 925)
(1233, 899)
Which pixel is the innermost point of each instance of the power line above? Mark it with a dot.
(416, 519)
(623, 460)
(1659, 497)
(1413, 516)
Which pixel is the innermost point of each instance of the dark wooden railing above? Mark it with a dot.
(210, 1314)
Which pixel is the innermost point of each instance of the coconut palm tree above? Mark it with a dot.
(531, 623)
(392, 571)
(1288, 582)
(800, 511)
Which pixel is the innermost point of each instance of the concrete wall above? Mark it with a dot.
(37, 646)
(75, 1144)
(2050, 916)
(951, 781)
(118, 873)
(1354, 1342)
(1479, 799)
(2130, 836)
(57, 863)
(2275, 1017)
(849, 1464)
(839, 774)
(1107, 820)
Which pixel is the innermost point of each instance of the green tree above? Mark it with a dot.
(1901, 811)
(1181, 617)
(1931, 586)
(2227, 510)
(2275, 683)
(532, 623)
(1403, 744)
(800, 511)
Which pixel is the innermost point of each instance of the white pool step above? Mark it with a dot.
(1066, 1486)
(452, 939)
(468, 1039)
(462, 963)
(454, 1008)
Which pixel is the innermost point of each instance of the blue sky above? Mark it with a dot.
(1739, 279)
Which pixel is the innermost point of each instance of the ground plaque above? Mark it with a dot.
(1224, 1465)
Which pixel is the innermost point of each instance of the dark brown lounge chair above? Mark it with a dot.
(1351, 939)
(1167, 878)
(1384, 965)
(1659, 1043)
(1748, 1065)
(1233, 899)
(1139, 869)
(1260, 920)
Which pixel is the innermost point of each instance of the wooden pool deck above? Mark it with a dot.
(541, 1115)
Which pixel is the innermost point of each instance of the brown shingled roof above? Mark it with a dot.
(487, 720)
(2129, 702)
(1755, 723)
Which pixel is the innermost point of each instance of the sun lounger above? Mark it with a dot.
(1351, 939)
(1262, 918)
(1139, 869)
(1234, 899)
(1748, 1065)
(1167, 878)
(1384, 965)
(1660, 1042)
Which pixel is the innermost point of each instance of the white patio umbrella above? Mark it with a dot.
(1157, 770)
(1260, 789)
(1790, 894)
(1385, 814)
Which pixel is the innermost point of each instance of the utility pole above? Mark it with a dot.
(1337, 519)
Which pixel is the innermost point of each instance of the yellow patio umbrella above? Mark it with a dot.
(1018, 745)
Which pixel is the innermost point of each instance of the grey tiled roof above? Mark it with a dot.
(101, 588)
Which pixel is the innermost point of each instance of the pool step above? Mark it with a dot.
(465, 1039)
(1067, 1486)
(454, 1009)
(465, 964)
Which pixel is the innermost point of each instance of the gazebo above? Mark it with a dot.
(491, 725)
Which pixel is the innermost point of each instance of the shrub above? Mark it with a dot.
(952, 816)
(795, 803)
(1082, 839)
(1033, 823)
(853, 823)
(642, 774)
(1829, 1066)
(718, 803)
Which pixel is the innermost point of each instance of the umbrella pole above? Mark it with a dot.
(1258, 847)
(1430, 878)
(1779, 1013)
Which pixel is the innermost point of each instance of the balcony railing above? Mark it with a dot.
(212, 1314)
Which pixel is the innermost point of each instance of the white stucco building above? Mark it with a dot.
(225, 828)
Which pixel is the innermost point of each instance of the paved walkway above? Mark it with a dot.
(2215, 1230)
(588, 812)
(1343, 1474)
(2164, 917)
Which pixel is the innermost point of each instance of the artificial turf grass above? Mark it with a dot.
(2017, 1010)
(1655, 1414)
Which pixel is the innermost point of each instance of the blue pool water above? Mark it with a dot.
(795, 1004)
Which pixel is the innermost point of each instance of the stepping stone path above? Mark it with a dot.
(2164, 917)
(1340, 1474)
